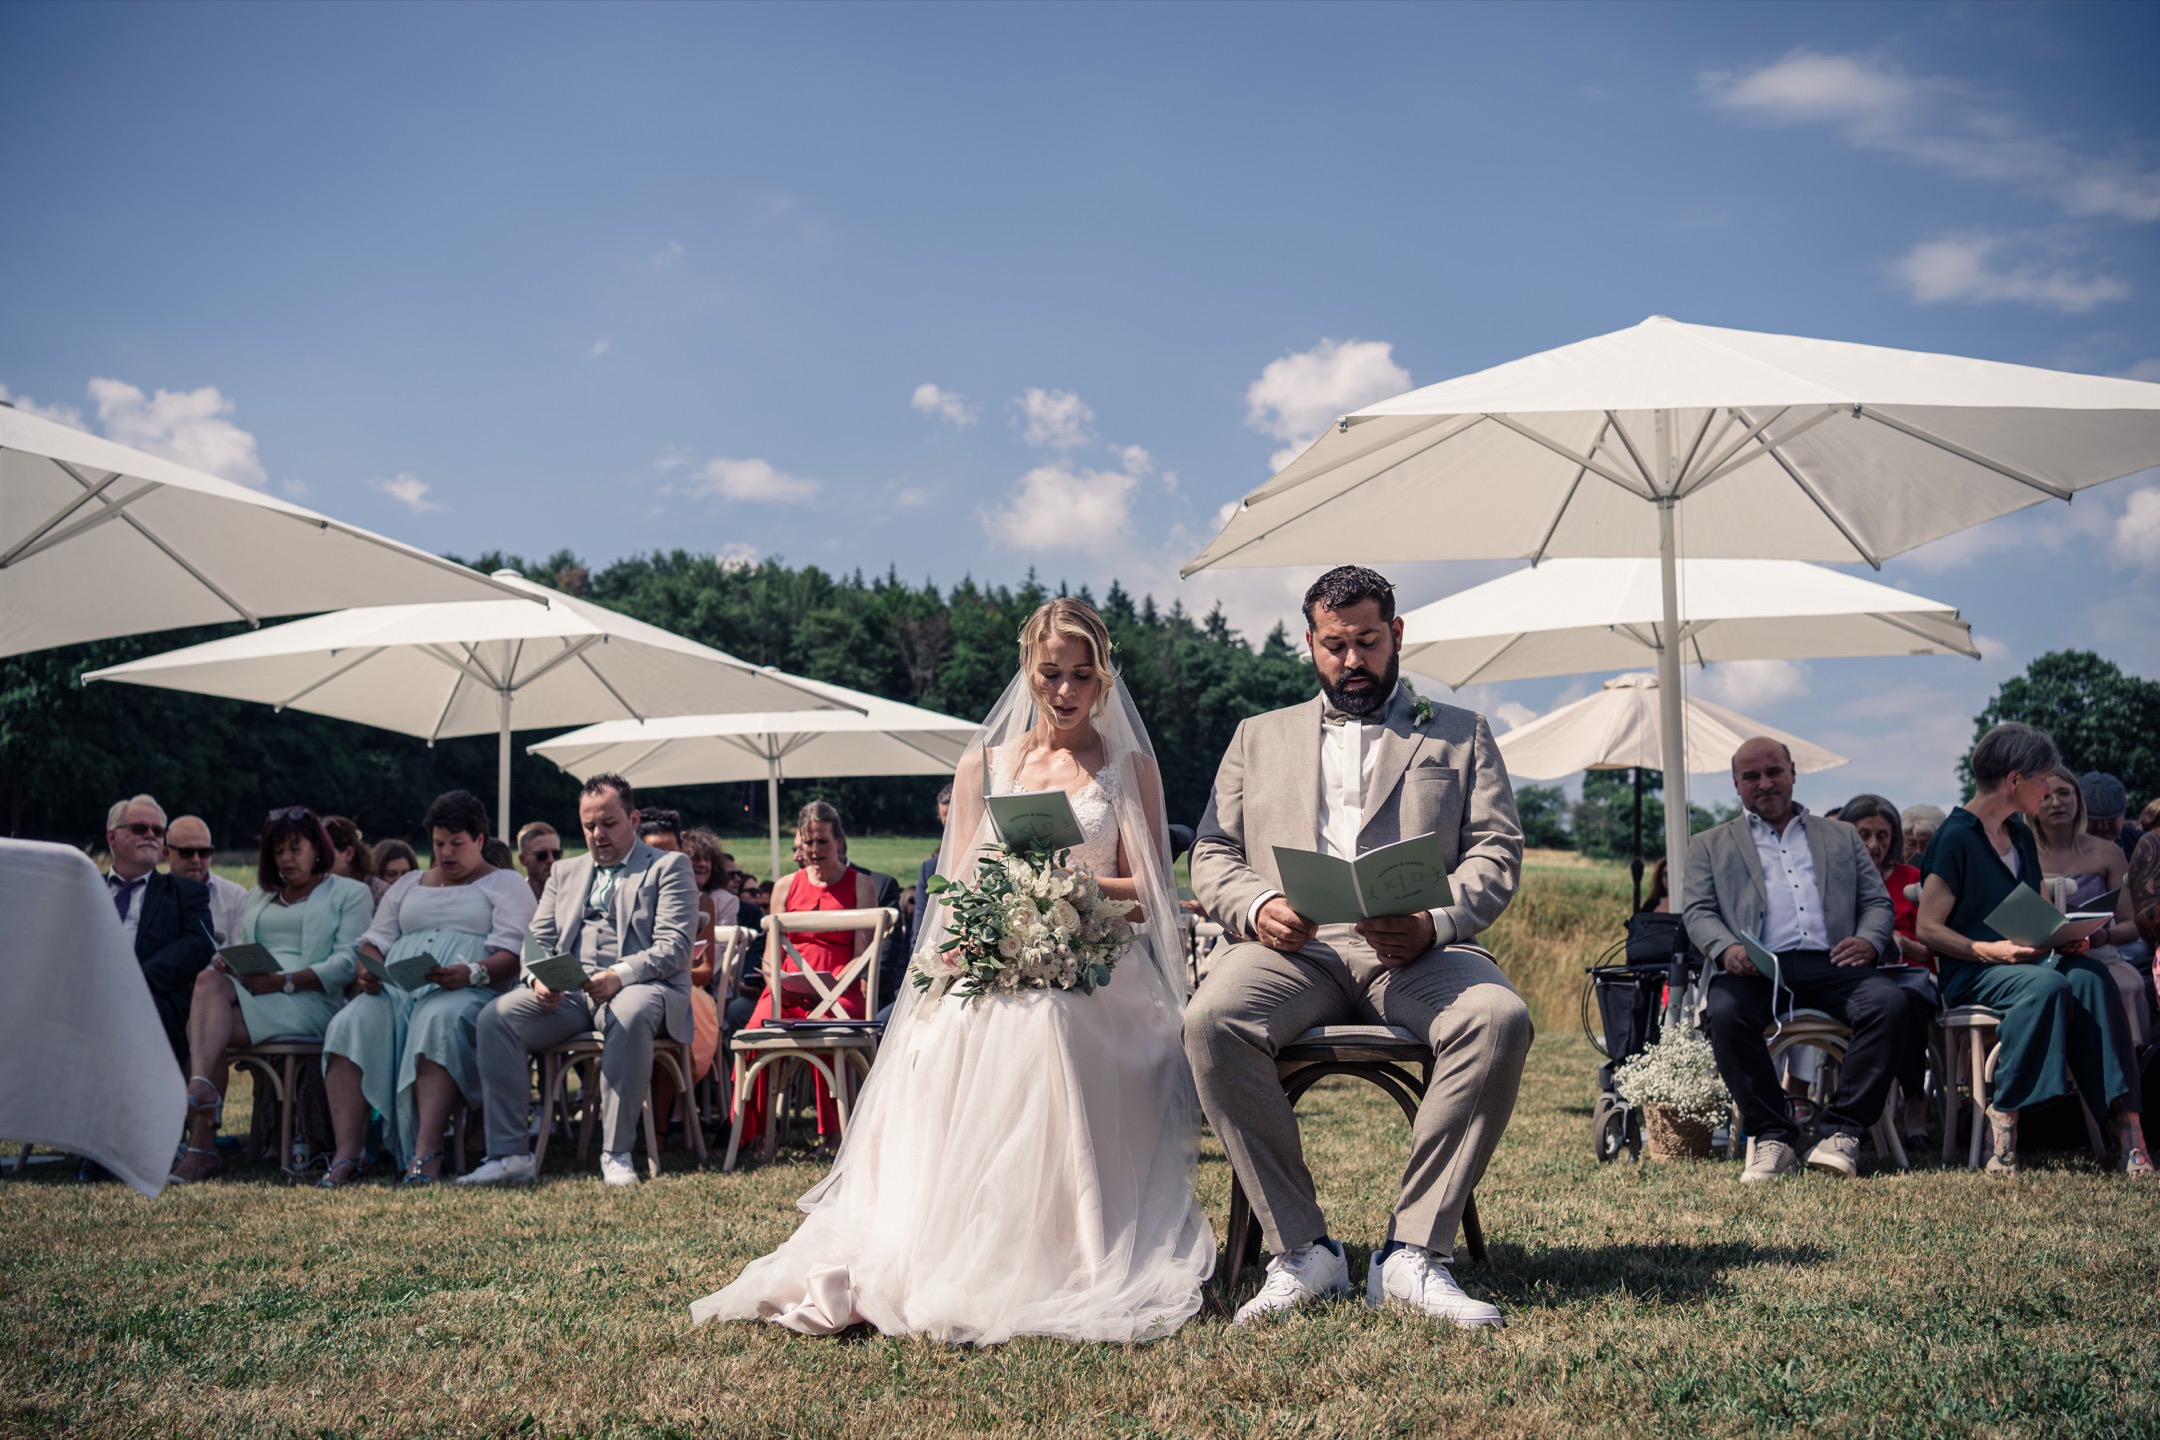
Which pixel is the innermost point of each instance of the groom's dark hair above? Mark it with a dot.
(1348, 585)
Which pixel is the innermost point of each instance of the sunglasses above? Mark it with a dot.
(293, 812)
(191, 852)
(144, 827)
(547, 854)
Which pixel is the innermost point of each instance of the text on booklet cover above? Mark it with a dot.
(1400, 879)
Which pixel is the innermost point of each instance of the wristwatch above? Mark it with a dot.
(287, 987)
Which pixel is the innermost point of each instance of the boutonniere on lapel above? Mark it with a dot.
(1420, 707)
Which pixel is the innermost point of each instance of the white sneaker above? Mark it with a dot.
(616, 1168)
(1414, 1276)
(509, 1170)
(1298, 1277)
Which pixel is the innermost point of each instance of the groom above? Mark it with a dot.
(1362, 766)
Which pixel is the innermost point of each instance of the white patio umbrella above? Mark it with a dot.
(474, 668)
(1669, 439)
(1568, 617)
(1622, 727)
(884, 738)
(98, 540)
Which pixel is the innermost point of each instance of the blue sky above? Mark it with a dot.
(972, 289)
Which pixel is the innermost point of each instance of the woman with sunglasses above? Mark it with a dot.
(408, 1054)
(309, 920)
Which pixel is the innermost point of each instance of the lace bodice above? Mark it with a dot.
(1094, 806)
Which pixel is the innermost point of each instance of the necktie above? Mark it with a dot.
(603, 887)
(124, 895)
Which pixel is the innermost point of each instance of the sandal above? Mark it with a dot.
(176, 1178)
(414, 1175)
(2002, 1144)
(341, 1173)
(216, 1105)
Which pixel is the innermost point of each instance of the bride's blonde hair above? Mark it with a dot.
(1074, 620)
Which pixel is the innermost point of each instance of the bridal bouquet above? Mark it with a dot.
(1025, 924)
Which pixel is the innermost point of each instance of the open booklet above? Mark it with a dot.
(407, 972)
(250, 960)
(1766, 964)
(557, 972)
(1400, 879)
(1036, 820)
(2025, 919)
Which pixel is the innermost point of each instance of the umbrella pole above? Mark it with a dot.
(502, 773)
(772, 809)
(1671, 734)
(1636, 867)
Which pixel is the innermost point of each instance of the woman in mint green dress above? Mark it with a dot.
(310, 920)
(408, 1054)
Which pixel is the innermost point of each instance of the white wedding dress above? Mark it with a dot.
(1014, 1169)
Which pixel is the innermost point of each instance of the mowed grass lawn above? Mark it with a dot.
(1659, 1298)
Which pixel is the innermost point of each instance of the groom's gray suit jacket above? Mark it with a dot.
(1444, 777)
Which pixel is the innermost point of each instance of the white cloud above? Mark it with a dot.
(600, 347)
(59, 414)
(949, 406)
(1961, 268)
(1300, 394)
(2144, 370)
(1064, 507)
(1055, 419)
(741, 555)
(1937, 122)
(668, 255)
(1746, 684)
(184, 425)
(912, 498)
(1511, 713)
(675, 457)
(409, 491)
(2137, 537)
(751, 480)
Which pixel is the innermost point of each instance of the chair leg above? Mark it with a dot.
(459, 1114)
(1473, 1230)
(652, 1139)
(550, 1076)
(288, 1103)
(1236, 1237)
(735, 1113)
(588, 1073)
(1978, 1054)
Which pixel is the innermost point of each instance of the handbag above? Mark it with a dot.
(1654, 938)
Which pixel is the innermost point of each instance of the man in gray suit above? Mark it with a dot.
(1363, 765)
(1806, 889)
(629, 913)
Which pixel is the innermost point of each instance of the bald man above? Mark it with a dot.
(187, 854)
(1806, 889)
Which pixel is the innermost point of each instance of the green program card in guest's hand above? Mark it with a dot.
(2024, 918)
(250, 960)
(558, 972)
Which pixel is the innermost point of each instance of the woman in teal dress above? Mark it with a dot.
(408, 1054)
(310, 920)
(2059, 1015)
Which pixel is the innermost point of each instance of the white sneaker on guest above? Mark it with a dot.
(509, 1170)
(616, 1168)
(1299, 1277)
(1414, 1276)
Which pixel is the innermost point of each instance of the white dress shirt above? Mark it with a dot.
(1347, 753)
(1792, 898)
(227, 903)
(133, 919)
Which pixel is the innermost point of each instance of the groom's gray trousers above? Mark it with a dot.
(1255, 1001)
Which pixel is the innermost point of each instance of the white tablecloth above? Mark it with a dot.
(84, 1063)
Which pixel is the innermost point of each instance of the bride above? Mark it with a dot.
(1021, 1163)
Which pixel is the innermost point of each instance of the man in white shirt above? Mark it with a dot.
(1806, 889)
(187, 853)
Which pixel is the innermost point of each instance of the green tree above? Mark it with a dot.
(2100, 718)
(1544, 810)
(1605, 816)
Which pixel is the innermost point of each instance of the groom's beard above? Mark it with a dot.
(1366, 700)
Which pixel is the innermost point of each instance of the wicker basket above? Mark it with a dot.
(1666, 1136)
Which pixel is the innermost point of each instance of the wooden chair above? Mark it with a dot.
(582, 1056)
(1969, 1047)
(1388, 1056)
(731, 950)
(276, 1063)
(836, 1055)
(1830, 1035)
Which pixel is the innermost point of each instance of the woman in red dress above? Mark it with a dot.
(826, 882)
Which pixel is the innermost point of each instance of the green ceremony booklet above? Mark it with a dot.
(250, 960)
(1040, 819)
(408, 972)
(2025, 919)
(1400, 879)
(557, 972)
(1766, 963)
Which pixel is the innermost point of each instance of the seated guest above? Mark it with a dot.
(2057, 1018)
(2145, 886)
(663, 830)
(2106, 805)
(1881, 831)
(408, 1054)
(354, 861)
(309, 920)
(2149, 818)
(2081, 866)
(394, 860)
(1659, 899)
(627, 911)
(708, 862)
(497, 855)
(1805, 888)
(539, 847)
(658, 825)
(1919, 822)
(922, 879)
(826, 882)
(167, 917)
(188, 851)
